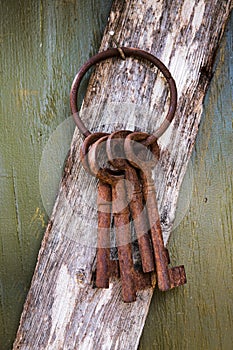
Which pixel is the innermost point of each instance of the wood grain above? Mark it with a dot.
(62, 309)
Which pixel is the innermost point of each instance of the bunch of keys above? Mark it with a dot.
(126, 191)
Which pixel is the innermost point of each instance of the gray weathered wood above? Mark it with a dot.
(62, 310)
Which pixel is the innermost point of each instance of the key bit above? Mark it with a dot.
(137, 154)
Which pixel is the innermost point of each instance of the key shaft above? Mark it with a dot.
(167, 278)
(104, 199)
(121, 218)
(116, 156)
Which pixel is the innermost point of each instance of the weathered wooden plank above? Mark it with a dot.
(62, 310)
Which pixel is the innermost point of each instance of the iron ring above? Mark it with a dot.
(128, 51)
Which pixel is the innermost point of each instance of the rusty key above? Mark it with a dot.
(121, 217)
(167, 277)
(115, 152)
(104, 197)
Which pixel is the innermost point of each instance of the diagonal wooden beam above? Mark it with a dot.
(62, 310)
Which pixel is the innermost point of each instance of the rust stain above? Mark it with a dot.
(39, 216)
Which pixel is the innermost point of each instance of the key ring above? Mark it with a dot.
(128, 52)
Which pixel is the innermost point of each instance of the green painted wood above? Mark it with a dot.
(200, 315)
(42, 45)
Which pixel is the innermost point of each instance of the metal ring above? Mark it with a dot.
(128, 51)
